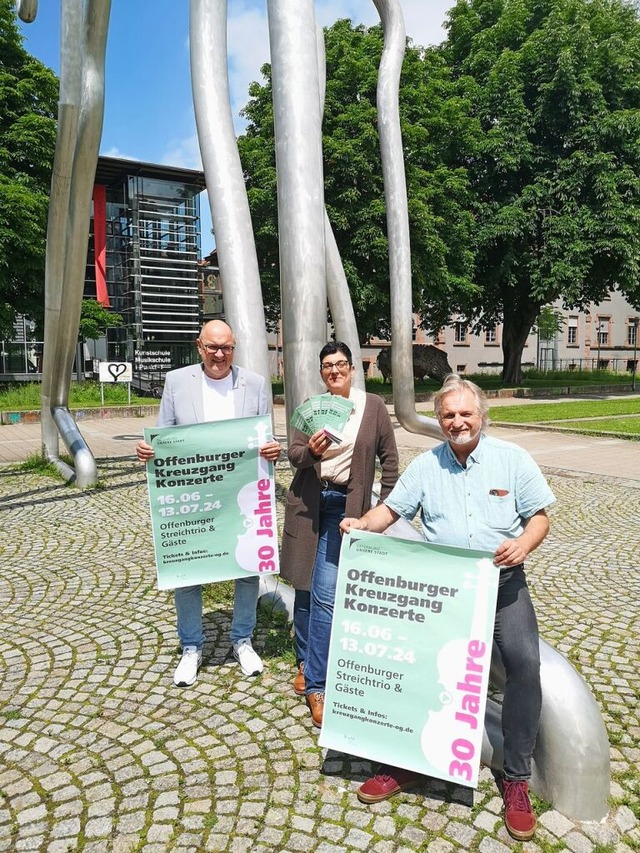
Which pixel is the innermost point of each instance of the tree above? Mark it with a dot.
(440, 218)
(548, 323)
(95, 319)
(555, 87)
(28, 107)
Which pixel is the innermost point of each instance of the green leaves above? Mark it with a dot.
(28, 106)
(95, 320)
(522, 159)
(555, 168)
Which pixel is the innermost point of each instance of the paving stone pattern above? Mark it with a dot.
(100, 752)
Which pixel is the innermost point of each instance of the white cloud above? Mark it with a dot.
(248, 35)
(115, 152)
(424, 21)
(184, 153)
(248, 47)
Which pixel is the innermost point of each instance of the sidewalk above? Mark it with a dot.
(117, 437)
(100, 753)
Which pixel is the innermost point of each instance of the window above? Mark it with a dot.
(461, 368)
(490, 336)
(460, 333)
(632, 331)
(439, 336)
(572, 332)
(602, 326)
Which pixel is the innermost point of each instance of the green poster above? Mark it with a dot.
(212, 501)
(410, 655)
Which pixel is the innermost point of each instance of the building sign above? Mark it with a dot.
(152, 360)
(114, 371)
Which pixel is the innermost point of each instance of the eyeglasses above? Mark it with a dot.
(213, 348)
(327, 366)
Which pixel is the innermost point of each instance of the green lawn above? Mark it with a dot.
(531, 413)
(612, 416)
(25, 396)
(620, 426)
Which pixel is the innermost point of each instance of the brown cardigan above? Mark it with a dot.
(302, 514)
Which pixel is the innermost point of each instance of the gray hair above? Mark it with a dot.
(456, 384)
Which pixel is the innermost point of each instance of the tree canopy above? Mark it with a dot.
(95, 319)
(440, 220)
(555, 88)
(28, 107)
(522, 152)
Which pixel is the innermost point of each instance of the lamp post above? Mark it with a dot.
(634, 322)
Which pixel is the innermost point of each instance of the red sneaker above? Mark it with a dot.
(387, 782)
(519, 817)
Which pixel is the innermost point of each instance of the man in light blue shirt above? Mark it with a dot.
(475, 491)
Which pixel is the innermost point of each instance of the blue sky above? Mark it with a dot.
(148, 105)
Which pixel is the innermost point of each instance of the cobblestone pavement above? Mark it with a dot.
(100, 752)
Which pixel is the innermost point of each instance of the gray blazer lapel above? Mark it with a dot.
(195, 394)
(239, 392)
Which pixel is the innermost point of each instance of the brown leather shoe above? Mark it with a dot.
(298, 681)
(315, 701)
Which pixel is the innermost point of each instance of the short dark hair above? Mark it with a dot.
(332, 348)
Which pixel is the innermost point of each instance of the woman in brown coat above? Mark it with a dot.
(331, 480)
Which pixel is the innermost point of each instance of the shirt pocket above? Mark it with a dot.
(501, 511)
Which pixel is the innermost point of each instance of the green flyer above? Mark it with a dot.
(212, 501)
(410, 655)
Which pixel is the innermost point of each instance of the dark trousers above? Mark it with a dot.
(516, 635)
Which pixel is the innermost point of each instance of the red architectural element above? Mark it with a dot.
(100, 242)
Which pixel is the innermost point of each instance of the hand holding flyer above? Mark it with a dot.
(323, 411)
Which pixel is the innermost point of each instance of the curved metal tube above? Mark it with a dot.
(225, 184)
(301, 214)
(84, 471)
(571, 765)
(275, 594)
(83, 44)
(398, 221)
(27, 10)
(340, 305)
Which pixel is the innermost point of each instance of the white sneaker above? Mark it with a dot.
(249, 661)
(187, 670)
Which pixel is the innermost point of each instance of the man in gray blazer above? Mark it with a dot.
(214, 390)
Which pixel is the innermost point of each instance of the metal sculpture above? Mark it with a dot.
(572, 756)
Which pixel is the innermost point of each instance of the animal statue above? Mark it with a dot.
(427, 361)
(310, 271)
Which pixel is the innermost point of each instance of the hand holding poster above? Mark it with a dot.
(212, 501)
(410, 655)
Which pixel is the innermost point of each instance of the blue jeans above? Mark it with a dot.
(301, 611)
(516, 635)
(323, 590)
(188, 601)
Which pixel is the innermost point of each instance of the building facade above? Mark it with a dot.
(143, 254)
(605, 336)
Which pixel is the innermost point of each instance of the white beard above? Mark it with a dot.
(465, 438)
